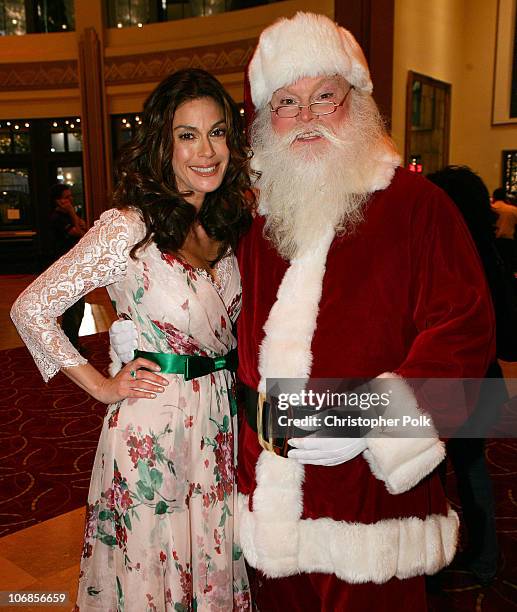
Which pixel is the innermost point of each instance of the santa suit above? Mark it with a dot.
(404, 293)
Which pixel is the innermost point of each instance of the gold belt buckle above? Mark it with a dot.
(269, 443)
(266, 444)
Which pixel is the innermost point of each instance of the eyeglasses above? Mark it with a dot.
(316, 108)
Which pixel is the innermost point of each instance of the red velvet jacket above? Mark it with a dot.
(404, 293)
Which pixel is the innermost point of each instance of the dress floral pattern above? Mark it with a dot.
(161, 507)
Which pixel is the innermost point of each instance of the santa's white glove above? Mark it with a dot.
(325, 451)
(123, 339)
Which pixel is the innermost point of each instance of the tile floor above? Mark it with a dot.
(43, 558)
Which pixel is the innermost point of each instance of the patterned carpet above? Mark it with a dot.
(460, 592)
(48, 436)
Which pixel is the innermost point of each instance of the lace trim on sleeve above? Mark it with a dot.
(99, 259)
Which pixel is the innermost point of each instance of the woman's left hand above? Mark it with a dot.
(134, 380)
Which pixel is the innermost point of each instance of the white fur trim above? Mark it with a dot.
(276, 541)
(285, 351)
(386, 161)
(116, 365)
(401, 462)
(279, 480)
(307, 45)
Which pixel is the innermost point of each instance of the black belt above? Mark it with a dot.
(250, 397)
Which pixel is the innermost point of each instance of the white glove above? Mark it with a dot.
(325, 451)
(123, 339)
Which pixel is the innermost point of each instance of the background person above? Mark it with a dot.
(467, 454)
(66, 228)
(505, 229)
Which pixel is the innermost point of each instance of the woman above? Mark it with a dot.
(159, 526)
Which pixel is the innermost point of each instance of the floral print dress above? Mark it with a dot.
(161, 507)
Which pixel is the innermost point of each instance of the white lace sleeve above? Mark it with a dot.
(99, 259)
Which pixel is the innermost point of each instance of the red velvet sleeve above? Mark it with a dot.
(453, 310)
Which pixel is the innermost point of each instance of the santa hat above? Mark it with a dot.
(307, 45)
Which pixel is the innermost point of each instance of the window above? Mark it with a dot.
(65, 135)
(54, 15)
(15, 175)
(14, 137)
(36, 16)
(123, 128)
(15, 205)
(126, 13)
(34, 155)
(427, 123)
(12, 17)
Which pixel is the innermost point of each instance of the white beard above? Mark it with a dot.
(304, 190)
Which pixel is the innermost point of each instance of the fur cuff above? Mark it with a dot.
(402, 462)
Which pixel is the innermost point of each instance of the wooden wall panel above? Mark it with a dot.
(218, 59)
(94, 124)
(39, 75)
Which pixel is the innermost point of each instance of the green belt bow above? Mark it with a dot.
(192, 366)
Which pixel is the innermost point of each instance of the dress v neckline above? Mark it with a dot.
(222, 269)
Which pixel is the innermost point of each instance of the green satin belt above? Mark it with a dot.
(192, 366)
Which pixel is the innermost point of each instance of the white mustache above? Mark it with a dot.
(314, 130)
(320, 130)
(300, 133)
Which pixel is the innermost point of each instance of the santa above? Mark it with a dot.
(354, 267)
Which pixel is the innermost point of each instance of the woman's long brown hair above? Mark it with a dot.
(146, 181)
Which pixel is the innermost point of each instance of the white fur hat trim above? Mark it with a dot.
(307, 45)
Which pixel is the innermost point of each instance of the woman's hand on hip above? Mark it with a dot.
(133, 381)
